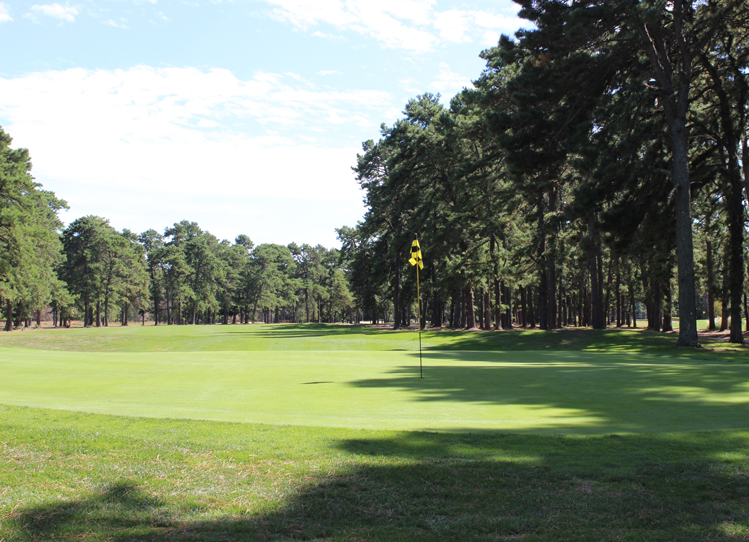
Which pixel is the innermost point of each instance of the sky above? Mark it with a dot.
(244, 116)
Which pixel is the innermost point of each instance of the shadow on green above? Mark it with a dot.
(621, 393)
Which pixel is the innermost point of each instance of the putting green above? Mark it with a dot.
(371, 381)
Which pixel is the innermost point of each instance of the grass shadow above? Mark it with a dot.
(425, 486)
(622, 393)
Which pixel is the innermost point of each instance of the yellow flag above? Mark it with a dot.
(416, 254)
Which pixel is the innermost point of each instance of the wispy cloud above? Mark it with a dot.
(413, 25)
(184, 129)
(449, 82)
(65, 13)
(331, 37)
(4, 14)
(122, 23)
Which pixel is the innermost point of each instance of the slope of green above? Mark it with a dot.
(570, 381)
(259, 337)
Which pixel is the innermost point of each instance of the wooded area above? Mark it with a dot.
(599, 162)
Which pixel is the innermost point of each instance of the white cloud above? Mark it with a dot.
(64, 13)
(115, 24)
(380, 20)
(4, 14)
(490, 39)
(413, 25)
(453, 26)
(458, 26)
(179, 130)
(331, 37)
(410, 85)
(449, 82)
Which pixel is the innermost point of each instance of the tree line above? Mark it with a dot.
(600, 162)
(597, 167)
(91, 272)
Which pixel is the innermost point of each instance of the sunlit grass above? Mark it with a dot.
(72, 476)
(569, 435)
(570, 381)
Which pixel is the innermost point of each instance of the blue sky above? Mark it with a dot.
(244, 116)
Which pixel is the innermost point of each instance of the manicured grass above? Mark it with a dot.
(570, 381)
(571, 435)
(321, 337)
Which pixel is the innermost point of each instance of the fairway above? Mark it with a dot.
(569, 382)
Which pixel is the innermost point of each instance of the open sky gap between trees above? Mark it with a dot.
(598, 164)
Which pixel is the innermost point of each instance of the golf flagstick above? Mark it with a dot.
(416, 260)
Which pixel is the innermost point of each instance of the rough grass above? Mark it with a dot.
(603, 436)
(72, 476)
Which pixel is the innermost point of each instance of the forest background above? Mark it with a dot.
(598, 163)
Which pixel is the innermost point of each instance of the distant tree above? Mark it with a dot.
(153, 242)
(88, 244)
(271, 277)
(134, 276)
(309, 272)
(29, 241)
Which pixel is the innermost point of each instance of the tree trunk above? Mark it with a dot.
(618, 294)
(551, 294)
(470, 309)
(684, 246)
(667, 322)
(607, 298)
(673, 71)
(436, 312)
(397, 309)
(106, 310)
(531, 308)
(9, 315)
(725, 299)
(596, 272)
(723, 318)
(710, 287)
(306, 304)
(167, 298)
(86, 306)
(507, 318)
(733, 201)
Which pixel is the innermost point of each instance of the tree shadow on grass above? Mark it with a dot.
(567, 339)
(427, 486)
(301, 331)
(591, 393)
(590, 340)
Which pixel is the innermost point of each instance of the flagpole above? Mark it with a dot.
(418, 311)
(416, 261)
